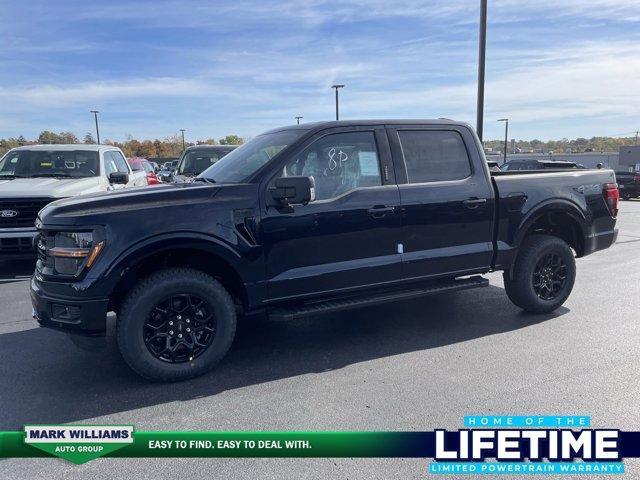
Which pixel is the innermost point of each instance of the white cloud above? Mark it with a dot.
(260, 63)
(317, 12)
(57, 95)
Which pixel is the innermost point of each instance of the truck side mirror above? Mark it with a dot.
(288, 191)
(118, 178)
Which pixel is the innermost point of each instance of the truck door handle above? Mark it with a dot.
(474, 202)
(380, 211)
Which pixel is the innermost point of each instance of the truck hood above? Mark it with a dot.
(112, 206)
(48, 187)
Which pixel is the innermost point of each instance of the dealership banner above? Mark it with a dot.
(486, 445)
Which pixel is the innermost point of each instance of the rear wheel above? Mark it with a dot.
(543, 274)
(176, 324)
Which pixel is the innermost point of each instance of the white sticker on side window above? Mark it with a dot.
(368, 163)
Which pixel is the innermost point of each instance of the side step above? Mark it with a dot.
(328, 306)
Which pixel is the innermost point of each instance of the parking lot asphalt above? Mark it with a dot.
(416, 365)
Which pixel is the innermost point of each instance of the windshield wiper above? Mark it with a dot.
(58, 175)
(204, 179)
(13, 175)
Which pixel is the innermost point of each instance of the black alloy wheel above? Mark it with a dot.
(549, 276)
(176, 323)
(543, 274)
(179, 328)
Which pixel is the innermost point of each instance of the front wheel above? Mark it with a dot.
(543, 274)
(176, 324)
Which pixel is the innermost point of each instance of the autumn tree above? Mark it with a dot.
(49, 137)
(231, 140)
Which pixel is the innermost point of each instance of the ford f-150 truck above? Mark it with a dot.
(35, 175)
(309, 219)
(196, 159)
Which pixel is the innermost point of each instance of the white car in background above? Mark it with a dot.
(35, 175)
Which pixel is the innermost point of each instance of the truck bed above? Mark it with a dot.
(576, 191)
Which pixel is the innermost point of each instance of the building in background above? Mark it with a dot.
(630, 158)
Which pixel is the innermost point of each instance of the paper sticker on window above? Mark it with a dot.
(368, 163)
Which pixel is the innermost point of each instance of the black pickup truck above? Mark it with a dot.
(309, 219)
(629, 184)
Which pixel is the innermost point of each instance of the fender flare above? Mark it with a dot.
(142, 250)
(553, 205)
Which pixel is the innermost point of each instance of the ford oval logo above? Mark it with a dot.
(8, 213)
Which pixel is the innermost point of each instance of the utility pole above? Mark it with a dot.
(637, 133)
(337, 108)
(506, 136)
(298, 119)
(182, 130)
(482, 47)
(95, 116)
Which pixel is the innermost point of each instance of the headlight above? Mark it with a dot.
(72, 251)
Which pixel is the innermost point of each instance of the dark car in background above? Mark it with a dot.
(166, 171)
(534, 164)
(197, 159)
(629, 184)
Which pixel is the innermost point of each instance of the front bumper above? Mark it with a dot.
(83, 316)
(17, 243)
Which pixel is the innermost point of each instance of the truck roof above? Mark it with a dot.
(67, 147)
(211, 147)
(351, 123)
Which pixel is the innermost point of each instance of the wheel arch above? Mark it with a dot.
(202, 253)
(559, 218)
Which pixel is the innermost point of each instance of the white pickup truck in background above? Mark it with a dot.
(35, 175)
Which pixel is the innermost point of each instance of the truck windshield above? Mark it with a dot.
(197, 161)
(50, 163)
(244, 161)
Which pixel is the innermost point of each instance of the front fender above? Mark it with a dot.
(143, 249)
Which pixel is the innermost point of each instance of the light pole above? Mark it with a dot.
(95, 116)
(481, 61)
(337, 87)
(182, 130)
(298, 119)
(506, 136)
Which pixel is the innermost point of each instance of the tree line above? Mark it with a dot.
(169, 147)
(578, 145)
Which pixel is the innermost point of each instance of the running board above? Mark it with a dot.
(336, 305)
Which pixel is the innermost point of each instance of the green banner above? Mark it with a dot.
(62, 441)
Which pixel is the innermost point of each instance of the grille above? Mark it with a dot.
(15, 245)
(27, 211)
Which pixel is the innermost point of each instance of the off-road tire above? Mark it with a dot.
(145, 296)
(519, 281)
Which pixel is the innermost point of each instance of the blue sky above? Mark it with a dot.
(557, 68)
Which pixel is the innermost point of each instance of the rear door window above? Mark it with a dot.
(434, 155)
